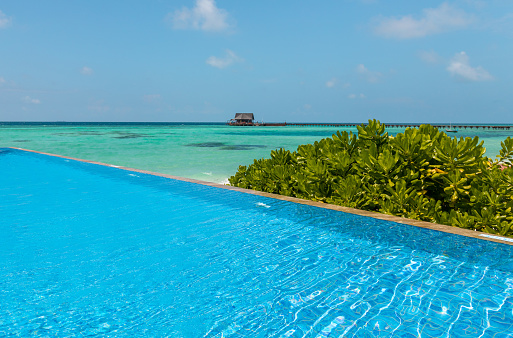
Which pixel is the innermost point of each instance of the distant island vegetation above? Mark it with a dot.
(421, 174)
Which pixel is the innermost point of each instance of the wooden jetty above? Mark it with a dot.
(388, 125)
(406, 125)
(248, 119)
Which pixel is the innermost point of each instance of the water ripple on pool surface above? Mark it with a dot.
(89, 250)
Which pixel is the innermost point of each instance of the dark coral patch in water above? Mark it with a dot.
(124, 135)
(224, 146)
(242, 147)
(21, 140)
(89, 133)
(78, 133)
(206, 145)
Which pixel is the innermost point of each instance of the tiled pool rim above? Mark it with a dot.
(412, 222)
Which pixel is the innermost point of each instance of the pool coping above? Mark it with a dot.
(372, 214)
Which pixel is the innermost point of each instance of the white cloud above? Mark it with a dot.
(370, 76)
(86, 71)
(4, 20)
(204, 16)
(429, 56)
(31, 100)
(151, 97)
(331, 83)
(460, 67)
(221, 63)
(433, 21)
(2, 80)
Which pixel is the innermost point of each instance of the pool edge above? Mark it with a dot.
(376, 215)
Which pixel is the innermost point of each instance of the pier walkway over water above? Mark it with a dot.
(393, 125)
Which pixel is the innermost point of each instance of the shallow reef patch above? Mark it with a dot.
(129, 135)
(224, 146)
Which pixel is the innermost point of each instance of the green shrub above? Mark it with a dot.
(421, 174)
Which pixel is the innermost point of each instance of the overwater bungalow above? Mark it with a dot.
(243, 119)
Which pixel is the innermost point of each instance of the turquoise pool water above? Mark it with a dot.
(88, 250)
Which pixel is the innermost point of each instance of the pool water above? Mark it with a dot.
(90, 250)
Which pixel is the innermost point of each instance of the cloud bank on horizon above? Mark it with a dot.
(203, 60)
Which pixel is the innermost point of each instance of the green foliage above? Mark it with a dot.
(421, 174)
(506, 153)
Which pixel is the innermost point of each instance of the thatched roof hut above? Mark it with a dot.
(244, 117)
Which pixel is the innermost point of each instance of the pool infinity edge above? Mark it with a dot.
(376, 215)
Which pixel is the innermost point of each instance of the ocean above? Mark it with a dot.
(205, 151)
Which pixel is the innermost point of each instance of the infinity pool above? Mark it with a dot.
(91, 250)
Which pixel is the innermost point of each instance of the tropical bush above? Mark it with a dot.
(422, 174)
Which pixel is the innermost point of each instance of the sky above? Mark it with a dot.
(288, 60)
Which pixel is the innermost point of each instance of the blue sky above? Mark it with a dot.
(204, 60)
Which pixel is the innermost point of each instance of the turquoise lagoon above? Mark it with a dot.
(210, 152)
